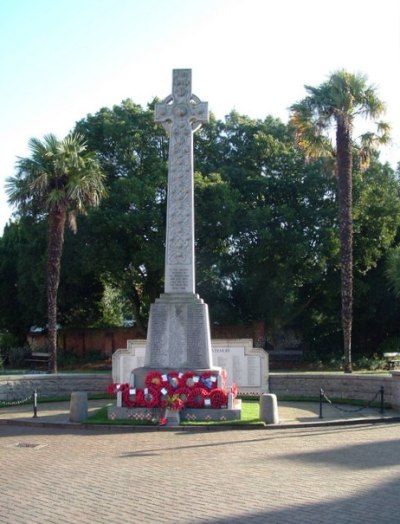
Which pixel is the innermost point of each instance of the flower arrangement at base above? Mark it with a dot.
(154, 379)
(208, 380)
(196, 397)
(151, 397)
(175, 403)
(133, 398)
(176, 390)
(113, 388)
(183, 393)
(187, 379)
(170, 380)
(218, 398)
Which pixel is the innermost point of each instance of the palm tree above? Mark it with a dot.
(335, 104)
(59, 179)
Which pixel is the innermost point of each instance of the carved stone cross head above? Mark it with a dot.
(182, 107)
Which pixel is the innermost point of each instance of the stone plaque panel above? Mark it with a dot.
(246, 366)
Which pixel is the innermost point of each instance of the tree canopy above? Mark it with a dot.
(267, 232)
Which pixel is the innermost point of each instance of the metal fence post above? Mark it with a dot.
(382, 391)
(35, 404)
(321, 396)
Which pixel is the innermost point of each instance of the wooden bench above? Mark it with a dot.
(37, 358)
(393, 360)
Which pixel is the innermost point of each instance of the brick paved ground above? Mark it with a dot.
(326, 475)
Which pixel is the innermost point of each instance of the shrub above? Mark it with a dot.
(18, 355)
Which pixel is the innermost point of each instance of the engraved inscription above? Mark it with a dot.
(253, 371)
(179, 279)
(196, 336)
(157, 351)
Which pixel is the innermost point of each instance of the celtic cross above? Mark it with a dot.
(181, 114)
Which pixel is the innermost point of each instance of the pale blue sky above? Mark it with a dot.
(62, 59)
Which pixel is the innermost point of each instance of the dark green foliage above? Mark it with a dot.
(267, 242)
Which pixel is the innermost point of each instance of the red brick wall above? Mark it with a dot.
(81, 341)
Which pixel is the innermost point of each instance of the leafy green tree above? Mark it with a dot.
(59, 177)
(131, 222)
(393, 270)
(338, 102)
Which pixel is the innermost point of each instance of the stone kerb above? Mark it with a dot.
(246, 366)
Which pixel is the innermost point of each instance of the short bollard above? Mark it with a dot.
(78, 408)
(35, 404)
(269, 408)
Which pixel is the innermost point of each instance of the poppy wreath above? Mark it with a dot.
(208, 380)
(196, 397)
(113, 389)
(170, 380)
(135, 402)
(153, 379)
(151, 397)
(218, 398)
(183, 394)
(187, 381)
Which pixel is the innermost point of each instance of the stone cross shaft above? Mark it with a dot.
(181, 114)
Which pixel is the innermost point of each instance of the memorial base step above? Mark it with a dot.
(152, 416)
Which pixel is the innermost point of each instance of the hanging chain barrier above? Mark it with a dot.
(380, 393)
(19, 402)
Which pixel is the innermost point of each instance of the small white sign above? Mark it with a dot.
(207, 402)
(132, 391)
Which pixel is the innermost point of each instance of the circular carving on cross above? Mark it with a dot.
(180, 110)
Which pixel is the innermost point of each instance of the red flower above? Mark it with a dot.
(133, 400)
(187, 380)
(151, 397)
(153, 378)
(112, 389)
(170, 380)
(196, 397)
(175, 403)
(183, 394)
(218, 398)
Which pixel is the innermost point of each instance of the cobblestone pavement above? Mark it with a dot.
(302, 475)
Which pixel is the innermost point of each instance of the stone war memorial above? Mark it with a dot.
(178, 370)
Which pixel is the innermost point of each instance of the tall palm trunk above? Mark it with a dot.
(345, 183)
(57, 218)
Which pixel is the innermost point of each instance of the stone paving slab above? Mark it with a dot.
(329, 475)
(290, 413)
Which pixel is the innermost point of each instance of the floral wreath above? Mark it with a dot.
(113, 389)
(138, 399)
(176, 391)
(154, 379)
(218, 398)
(151, 397)
(208, 380)
(183, 393)
(196, 397)
(171, 380)
(186, 380)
